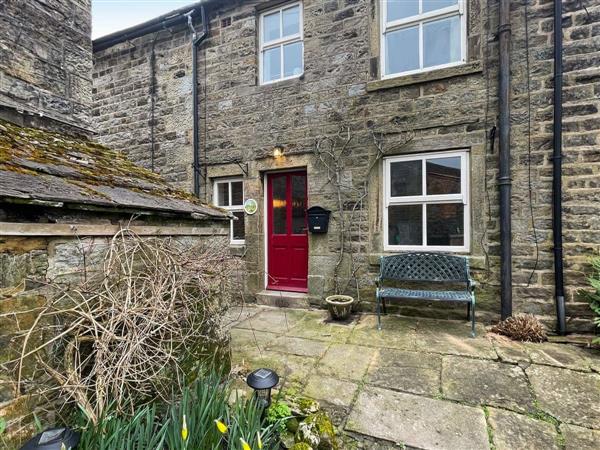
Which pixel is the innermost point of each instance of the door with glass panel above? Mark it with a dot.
(287, 237)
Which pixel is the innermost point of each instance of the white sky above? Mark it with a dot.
(109, 16)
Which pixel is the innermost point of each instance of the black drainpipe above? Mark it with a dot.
(557, 174)
(504, 180)
(153, 101)
(197, 39)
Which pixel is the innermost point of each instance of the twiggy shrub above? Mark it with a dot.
(127, 334)
(522, 327)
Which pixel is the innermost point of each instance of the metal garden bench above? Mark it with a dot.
(426, 268)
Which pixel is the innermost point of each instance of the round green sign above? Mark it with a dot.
(250, 206)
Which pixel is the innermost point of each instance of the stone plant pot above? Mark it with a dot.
(340, 306)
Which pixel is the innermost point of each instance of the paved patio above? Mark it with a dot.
(423, 383)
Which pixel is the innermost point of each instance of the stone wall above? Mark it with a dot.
(447, 109)
(29, 263)
(143, 102)
(46, 58)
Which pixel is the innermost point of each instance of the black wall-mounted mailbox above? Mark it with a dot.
(318, 219)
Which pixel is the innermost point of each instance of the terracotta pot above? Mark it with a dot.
(340, 306)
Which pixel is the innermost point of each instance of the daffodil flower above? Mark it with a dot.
(184, 429)
(221, 426)
(245, 445)
(258, 440)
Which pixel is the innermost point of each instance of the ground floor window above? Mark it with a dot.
(229, 194)
(426, 202)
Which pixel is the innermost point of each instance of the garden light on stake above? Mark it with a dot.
(262, 381)
(53, 439)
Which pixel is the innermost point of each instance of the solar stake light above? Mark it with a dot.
(53, 439)
(262, 381)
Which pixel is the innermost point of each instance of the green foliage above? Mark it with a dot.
(201, 404)
(38, 424)
(301, 446)
(278, 413)
(594, 296)
(2, 430)
(140, 432)
(187, 423)
(246, 422)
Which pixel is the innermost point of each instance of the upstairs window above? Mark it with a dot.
(421, 35)
(427, 202)
(229, 194)
(281, 44)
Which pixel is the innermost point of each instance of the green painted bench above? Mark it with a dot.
(423, 268)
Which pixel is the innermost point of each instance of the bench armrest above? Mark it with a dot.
(472, 284)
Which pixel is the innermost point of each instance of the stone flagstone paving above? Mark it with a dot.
(424, 383)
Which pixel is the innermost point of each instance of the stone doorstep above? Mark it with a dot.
(283, 299)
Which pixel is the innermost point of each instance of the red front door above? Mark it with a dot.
(287, 238)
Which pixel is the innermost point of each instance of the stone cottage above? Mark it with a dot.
(390, 115)
(63, 196)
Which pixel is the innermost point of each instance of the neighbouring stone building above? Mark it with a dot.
(63, 196)
(46, 60)
(278, 77)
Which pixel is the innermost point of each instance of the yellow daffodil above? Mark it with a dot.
(221, 426)
(258, 440)
(245, 445)
(184, 429)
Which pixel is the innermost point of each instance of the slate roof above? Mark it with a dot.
(38, 165)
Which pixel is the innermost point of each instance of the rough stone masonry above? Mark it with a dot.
(142, 89)
(46, 60)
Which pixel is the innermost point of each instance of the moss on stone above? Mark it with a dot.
(301, 446)
(325, 429)
(307, 405)
(34, 151)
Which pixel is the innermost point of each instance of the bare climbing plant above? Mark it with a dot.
(133, 329)
(333, 153)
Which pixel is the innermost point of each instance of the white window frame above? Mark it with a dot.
(420, 19)
(425, 199)
(263, 46)
(235, 208)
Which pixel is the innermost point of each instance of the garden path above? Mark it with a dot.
(424, 383)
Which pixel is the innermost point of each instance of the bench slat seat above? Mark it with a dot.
(426, 268)
(450, 296)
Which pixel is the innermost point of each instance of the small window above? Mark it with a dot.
(229, 194)
(427, 202)
(281, 44)
(421, 35)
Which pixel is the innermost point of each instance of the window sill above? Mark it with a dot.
(282, 83)
(237, 249)
(424, 77)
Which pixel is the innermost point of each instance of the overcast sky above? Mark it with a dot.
(113, 15)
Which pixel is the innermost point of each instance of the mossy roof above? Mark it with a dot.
(43, 166)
